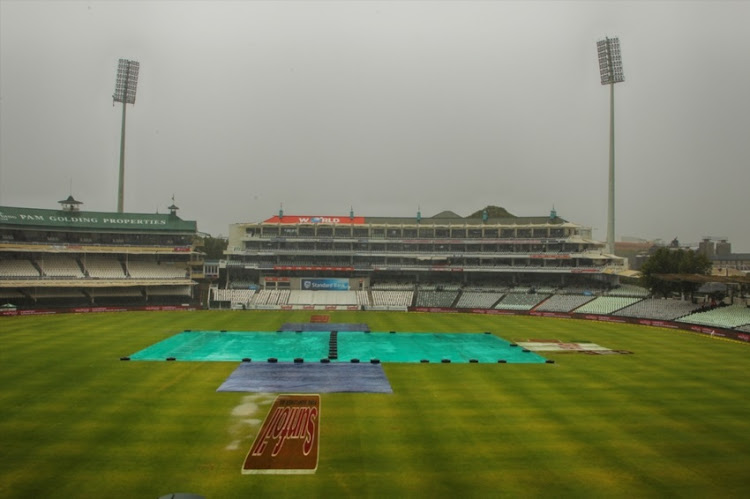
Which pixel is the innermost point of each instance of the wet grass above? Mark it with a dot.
(673, 419)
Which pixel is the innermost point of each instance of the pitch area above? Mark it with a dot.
(669, 420)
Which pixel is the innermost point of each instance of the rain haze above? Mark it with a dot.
(384, 108)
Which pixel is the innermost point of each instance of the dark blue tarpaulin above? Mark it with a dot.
(324, 326)
(307, 378)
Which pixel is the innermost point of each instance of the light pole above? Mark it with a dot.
(610, 68)
(127, 81)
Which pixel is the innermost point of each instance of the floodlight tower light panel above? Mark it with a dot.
(127, 81)
(610, 61)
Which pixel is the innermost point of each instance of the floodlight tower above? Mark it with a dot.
(610, 67)
(127, 81)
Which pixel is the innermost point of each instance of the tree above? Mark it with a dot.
(492, 212)
(214, 247)
(671, 261)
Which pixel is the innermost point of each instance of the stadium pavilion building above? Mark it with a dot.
(314, 253)
(74, 258)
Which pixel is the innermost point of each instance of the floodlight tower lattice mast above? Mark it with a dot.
(125, 86)
(610, 68)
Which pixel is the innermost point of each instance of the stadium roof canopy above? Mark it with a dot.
(732, 257)
(702, 279)
(52, 220)
(443, 218)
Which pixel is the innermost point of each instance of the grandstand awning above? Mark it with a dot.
(703, 278)
(92, 283)
(27, 218)
(622, 272)
(95, 249)
(595, 256)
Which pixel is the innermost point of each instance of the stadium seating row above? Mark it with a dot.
(473, 299)
(519, 301)
(436, 298)
(392, 286)
(658, 309)
(629, 290)
(563, 303)
(18, 268)
(60, 266)
(322, 297)
(299, 297)
(156, 270)
(96, 267)
(402, 298)
(726, 317)
(605, 305)
(271, 297)
(737, 316)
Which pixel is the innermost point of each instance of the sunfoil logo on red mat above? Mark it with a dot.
(288, 440)
(288, 423)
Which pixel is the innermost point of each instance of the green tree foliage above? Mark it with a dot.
(213, 247)
(673, 261)
(493, 212)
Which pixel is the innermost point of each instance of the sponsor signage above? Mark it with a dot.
(288, 219)
(93, 220)
(557, 315)
(277, 279)
(664, 324)
(287, 442)
(604, 318)
(329, 284)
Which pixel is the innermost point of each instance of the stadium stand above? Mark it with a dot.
(60, 266)
(103, 267)
(659, 309)
(18, 268)
(444, 254)
(156, 270)
(563, 303)
(605, 305)
(363, 298)
(519, 301)
(70, 258)
(80, 258)
(430, 298)
(305, 297)
(271, 297)
(392, 286)
(629, 290)
(394, 299)
(592, 290)
(727, 317)
(242, 284)
(477, 299)
(96, 293)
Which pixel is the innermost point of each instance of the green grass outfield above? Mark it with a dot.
(672, 420)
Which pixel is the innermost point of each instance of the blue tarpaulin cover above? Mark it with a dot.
(324, 326)
(307, 378)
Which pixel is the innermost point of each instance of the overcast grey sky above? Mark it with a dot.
(384, 107)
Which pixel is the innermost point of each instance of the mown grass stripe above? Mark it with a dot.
(669, 420)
